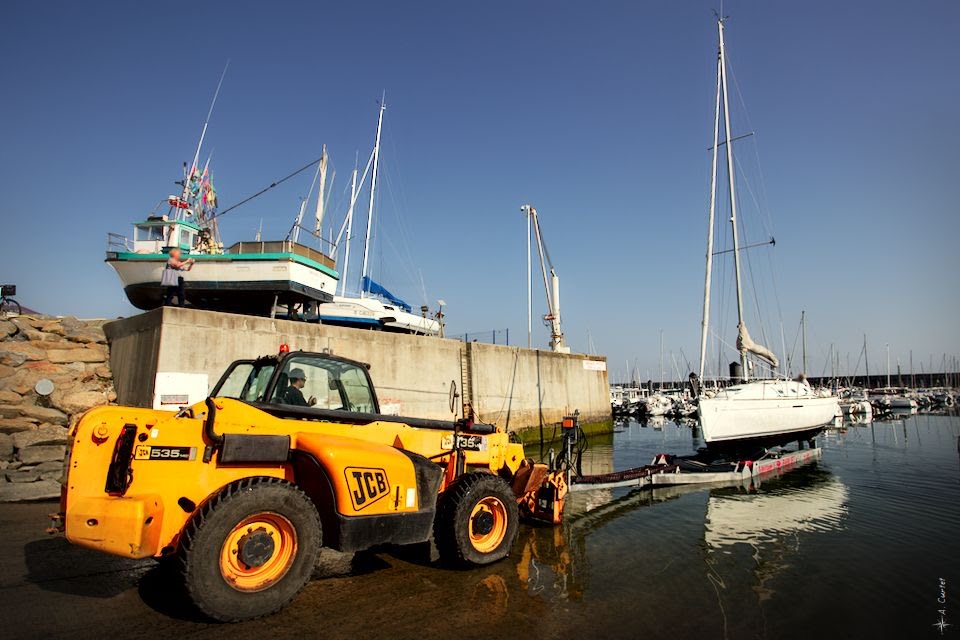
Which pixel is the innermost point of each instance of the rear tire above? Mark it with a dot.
(477, 520)
(251, 549)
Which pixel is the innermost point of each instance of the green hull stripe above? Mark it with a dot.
(125, 256)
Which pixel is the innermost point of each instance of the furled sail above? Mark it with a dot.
(745, 343)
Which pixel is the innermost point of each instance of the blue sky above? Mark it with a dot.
(598, 114)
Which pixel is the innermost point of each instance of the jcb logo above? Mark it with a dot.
(366, 485)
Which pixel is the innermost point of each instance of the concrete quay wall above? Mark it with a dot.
(170, 356)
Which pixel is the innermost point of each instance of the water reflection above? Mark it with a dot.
(753, 537)
(817, 501)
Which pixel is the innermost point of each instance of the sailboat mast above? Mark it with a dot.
(661, 359)
(803, 331)
(705, 324)
(373, 188)
(866, 361)
(296, 225)
(733, 196)
(346, 251)
(888, 365)
(322, 169)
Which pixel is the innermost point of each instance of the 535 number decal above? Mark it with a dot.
(144, 452)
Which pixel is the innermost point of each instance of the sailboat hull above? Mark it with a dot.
(371, 313)
(765, 410)
(227, 283)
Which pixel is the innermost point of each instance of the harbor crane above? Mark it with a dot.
(551, 287)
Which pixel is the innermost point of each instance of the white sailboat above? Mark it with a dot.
(774, 411)
(374, 307)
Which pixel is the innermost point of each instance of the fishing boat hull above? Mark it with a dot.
(250, 283)
(770, 411)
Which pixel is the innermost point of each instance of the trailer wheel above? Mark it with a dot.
(477, 520)
(251, 549)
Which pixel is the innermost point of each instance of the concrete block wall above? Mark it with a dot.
(512, 387)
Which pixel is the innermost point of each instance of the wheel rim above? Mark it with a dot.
(488, 524)
(258, 552)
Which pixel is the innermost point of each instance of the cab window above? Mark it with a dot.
(323, 383)
(147, 233)
(247, 381)
(357, 390)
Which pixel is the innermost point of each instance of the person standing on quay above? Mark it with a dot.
(172, 279)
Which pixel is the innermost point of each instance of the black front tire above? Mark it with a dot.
(285, 553)
(477, 520)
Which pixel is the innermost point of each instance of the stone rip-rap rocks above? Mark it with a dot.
(71, 354)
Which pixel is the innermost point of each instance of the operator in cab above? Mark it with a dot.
(293, 394)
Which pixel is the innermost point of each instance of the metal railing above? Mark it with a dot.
(118, 242)
(281, 246)
(493, 336)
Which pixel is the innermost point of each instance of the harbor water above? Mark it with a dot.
(862, 544)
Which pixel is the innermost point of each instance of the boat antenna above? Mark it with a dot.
(203, 133)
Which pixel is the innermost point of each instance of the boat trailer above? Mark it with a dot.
(665, 470)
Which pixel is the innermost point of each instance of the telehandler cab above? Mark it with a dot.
(290, 453)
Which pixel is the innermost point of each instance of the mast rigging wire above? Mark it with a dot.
(265, 189)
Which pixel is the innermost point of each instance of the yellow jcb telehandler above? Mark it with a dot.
(290, 453)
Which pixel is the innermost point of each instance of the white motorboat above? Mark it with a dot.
(616, 398)
(657, 405)
(772, 411)
(854, 407)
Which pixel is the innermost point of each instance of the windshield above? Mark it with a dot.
(305, 380)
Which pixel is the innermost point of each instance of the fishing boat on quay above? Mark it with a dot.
(252, 277)
(285, 278)
(247, 277)
(772, 411)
